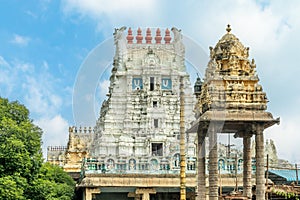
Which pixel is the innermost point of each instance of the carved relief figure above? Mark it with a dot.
(131, 164)
(110, 164)
(176, 160)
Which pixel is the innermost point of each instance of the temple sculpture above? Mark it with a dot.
(231, 100)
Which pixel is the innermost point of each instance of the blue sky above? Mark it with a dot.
(43, 45)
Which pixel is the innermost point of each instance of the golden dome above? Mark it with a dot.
(229, 45)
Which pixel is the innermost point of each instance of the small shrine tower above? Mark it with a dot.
(232, 101)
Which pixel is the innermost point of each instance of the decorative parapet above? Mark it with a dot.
(56, 148)
(134, 47)
(148, 37)
(147, 165)
(79, 138)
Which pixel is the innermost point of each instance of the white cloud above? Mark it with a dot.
(40, 98)
(30, 13)
(20, 40)
(24, 67)
(97, 8)
(13, 75)
(3, 62)
(111, 14)
(38, 90)
(7, 75)
(55, 131)
(34, 97)
(286, 138)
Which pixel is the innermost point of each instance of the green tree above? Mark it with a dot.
(52, 183)
(11, 188)
(22, 172)
(20, 141)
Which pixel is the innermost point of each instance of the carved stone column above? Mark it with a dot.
(201, 169)
(213, 165)
(90, 191)
(260, 169)
(247, 167)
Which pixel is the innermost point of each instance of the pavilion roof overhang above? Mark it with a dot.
(233, 121)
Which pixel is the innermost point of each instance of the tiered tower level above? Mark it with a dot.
(139, 124)
(231, 82)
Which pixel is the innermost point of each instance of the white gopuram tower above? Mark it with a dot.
(139, 124)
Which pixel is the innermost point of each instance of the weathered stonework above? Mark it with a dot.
(231, 82)
(80, 140)
(233, 101)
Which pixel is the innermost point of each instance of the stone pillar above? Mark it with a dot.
(145, 192)
(213, 166)
(247, 167)
(201, 169)
(260, 168)
(89, 193)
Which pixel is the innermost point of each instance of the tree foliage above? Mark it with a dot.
(23, 175)
(52, 183)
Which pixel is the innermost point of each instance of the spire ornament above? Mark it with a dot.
(228, 29)
(148, 36)
(129, 36)
(167, 37)
(158, 36)
(139, 37)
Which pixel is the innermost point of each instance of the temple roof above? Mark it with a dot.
(231, 91)
(229, 44)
